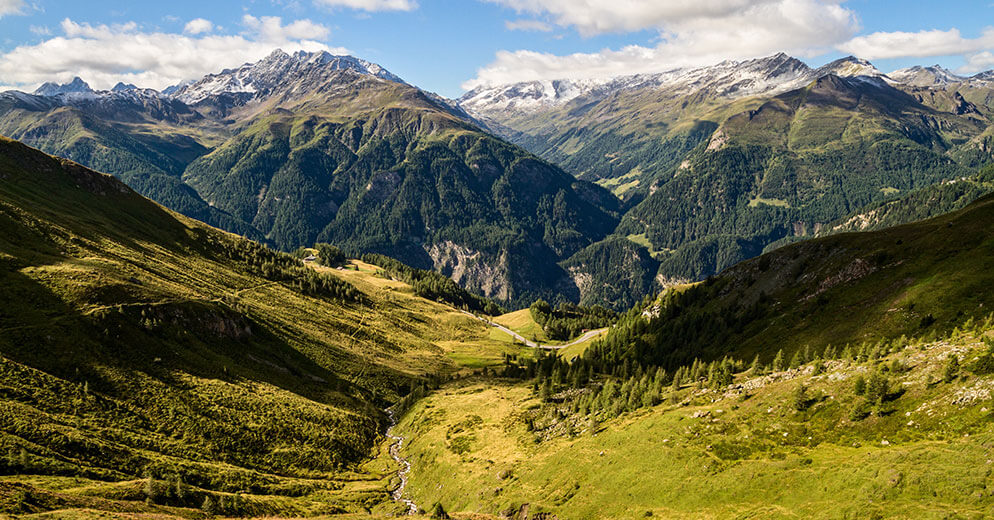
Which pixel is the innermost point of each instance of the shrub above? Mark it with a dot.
(860, 410)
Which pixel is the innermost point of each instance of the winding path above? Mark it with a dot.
(405, 465)
(529, 343)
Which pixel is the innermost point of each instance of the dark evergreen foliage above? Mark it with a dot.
(568, 320)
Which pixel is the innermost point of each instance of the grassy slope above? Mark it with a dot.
(521, 321)
(132, 346)
(734, 453)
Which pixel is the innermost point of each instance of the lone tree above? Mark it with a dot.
(799, 399)
(438, 512)
(877, 388)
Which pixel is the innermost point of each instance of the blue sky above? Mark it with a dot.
(449, 45)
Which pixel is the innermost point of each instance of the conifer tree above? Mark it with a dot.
(795, 360)
(755, 368)
(952, 369)
(859, 385)
(799, 399)
(877, 387)
(209, 507)
(778, 361)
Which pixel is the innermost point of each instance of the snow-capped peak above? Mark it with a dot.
(122, 86)
(273, 71)
(77, 85)
(850, 66)
(727, 79)
(984, 76)
(919, 76)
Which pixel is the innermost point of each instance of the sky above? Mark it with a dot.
(450, 46)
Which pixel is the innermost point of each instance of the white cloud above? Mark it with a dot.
(692, 32)
(198, 26)
(11, 7)
(601, 16)
(40, 30)
(85, 30)
(977, 62)
(105, 54)
(271, 28)
(976, 52)
(372, 5)
(527, 25)
(882, 45)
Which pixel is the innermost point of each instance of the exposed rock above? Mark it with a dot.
(471, 269)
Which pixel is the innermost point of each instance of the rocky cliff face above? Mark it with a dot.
(472, 269)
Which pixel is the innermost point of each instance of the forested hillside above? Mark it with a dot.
(165, 365)
(324, 149)
(718, 163)
(915, 280)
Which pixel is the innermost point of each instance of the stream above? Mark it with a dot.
(405, 466)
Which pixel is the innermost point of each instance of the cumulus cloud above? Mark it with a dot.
(691, 32)
(976, 52)
(527, 25)
(198, 26)
(8, 7)
(372, 5)
(106, 54)
(977, 62)
(881, 45)
(592, 17)
(271, 28)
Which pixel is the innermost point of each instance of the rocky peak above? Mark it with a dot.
(919, 76)
(984, 76)
(121, 87)
(77, 85)
(306, 69)
(850, 66)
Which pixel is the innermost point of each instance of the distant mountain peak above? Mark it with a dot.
(918, 76)
(122, 86)
(77, 85)
(850, 66)
(273, 71)
(726, 79)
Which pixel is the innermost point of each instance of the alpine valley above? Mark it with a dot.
(304, 288)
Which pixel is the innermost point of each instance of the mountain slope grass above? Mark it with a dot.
(149, 363)
(748, 450)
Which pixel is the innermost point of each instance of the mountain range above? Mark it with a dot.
(306, 147)
(153, 365)
(531, 190)
(716, 164)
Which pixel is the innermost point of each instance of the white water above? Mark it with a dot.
(405, 466)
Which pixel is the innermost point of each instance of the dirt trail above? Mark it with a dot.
(529, 343)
